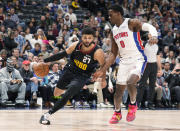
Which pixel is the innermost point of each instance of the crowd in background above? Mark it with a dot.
(27, 42)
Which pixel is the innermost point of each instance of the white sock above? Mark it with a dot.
(132, 102)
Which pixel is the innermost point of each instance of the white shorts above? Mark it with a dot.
(127, 69)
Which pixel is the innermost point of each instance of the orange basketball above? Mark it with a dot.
(41, 69)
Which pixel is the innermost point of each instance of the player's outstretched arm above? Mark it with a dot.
(135, 26)
(61, 54)
(108, 62)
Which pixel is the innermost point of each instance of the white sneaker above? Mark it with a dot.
(45, 119)
(101, 105)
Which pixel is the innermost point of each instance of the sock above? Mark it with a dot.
(118, 111)
(133, 102)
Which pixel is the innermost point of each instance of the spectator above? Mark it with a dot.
(36, 50)
(31, 83)
(166, 70)
(2, 45)
(20, 40)
(161, 86)
(55, 30)
(60, 43)
(42, 23)
(10, 43)
(3, 55)
(41, 34)
(67, 21)
(168, 39)
(49, 19)
(11, 81)
(63, 6)
(35, 40)
(54, 75)
(14, 17)
(53, 7)
(173, 84)
(2, 15)
(72, 16)
(170, 58)
(8, 23)
(46, 92)
(28, 35)
(44, 51)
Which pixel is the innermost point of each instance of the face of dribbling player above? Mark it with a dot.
(87, 39)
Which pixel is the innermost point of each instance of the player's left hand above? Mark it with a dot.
(97, 74)
(152, 39)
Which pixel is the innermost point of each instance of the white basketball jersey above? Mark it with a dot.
(129, 43)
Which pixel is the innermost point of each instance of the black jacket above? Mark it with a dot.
(26, 75)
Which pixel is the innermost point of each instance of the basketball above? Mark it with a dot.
(41, 69)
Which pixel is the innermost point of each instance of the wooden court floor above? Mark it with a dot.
(89, 120)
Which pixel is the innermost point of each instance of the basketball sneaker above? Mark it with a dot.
(45, 119)
(115, 118)
(131, 112)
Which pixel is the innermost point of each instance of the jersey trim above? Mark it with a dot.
(86, 52)
(140, 47)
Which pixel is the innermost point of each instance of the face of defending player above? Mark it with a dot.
(87, 39)
(114, 17)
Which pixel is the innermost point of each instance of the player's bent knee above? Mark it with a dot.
(58, 92)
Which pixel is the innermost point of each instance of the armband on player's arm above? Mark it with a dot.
(151, 29)
(56, 57)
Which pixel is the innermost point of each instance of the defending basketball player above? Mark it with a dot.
(85, 56)
(126, 38)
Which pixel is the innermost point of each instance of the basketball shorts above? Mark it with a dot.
(127, 69)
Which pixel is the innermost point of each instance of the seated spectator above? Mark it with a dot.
(67, 21)
(44, 51)
(35, 40)
(20, 40)
(162, 90)
(42, 24)
(168, 39)
(63, 6)
(166, 70)
(2, 45)
(55, 51)
(35, 60)
(53, 7)
(16, 53)
(2, 15)
(36, 50)
(31, 83)
(60, 43)
(8, 23)
(72, 16)
(14, 17)
(3, 55)
(28, 35)
(54, 75)
(170, 57)
(11, 81)
(173, 84)
(55, 30)
(46, 92)
(41, 34)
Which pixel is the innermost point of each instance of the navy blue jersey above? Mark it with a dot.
(83, 62)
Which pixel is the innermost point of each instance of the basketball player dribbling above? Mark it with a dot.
(126, 38)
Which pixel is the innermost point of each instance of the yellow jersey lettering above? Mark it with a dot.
(80, 64)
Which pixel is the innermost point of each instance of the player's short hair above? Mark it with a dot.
(88, 31)
(117, 8)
